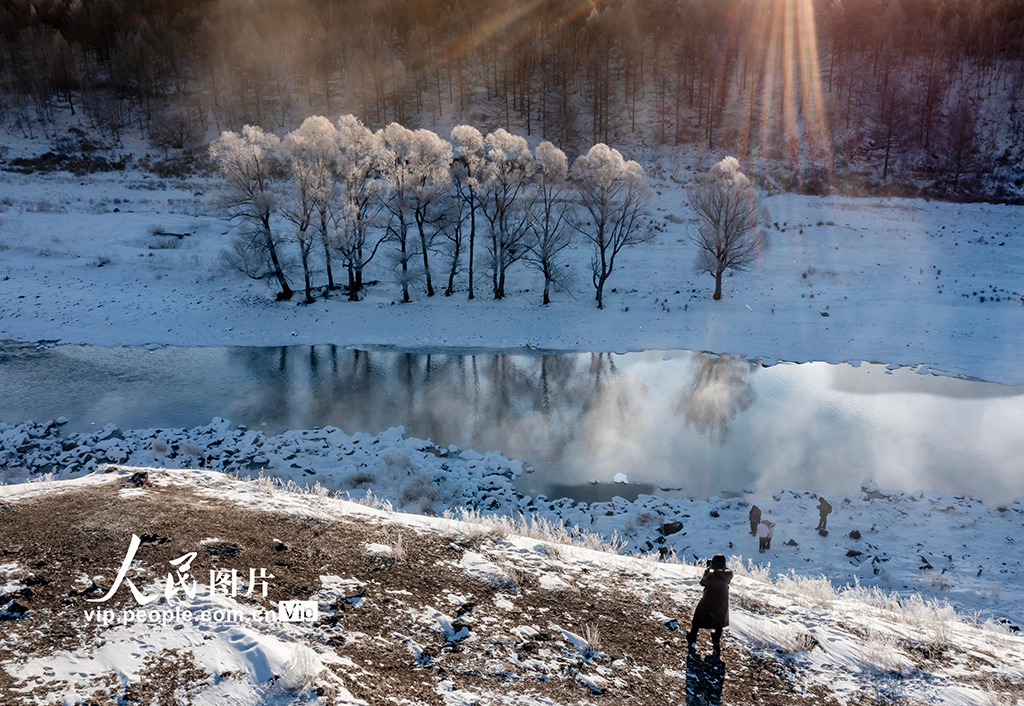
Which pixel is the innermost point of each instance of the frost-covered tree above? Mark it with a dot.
(359, 160)
(246, 161)
(615, 195)
(467, 166)
(728, 236)
(507, 169)
(310, 155)
(416, 166)
(549, 210)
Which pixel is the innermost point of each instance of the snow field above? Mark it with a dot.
(902, 281)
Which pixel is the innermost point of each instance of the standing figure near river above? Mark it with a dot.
(755, 519)
(824, 508)
(712, 612)
(765, 530)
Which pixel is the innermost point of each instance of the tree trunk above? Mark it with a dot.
(718, 285)
(305, 273)
(353, 290)
(327, 254)
(423, 247)
(405, 266)
(472, 240)
(286, 291)
(455, 261)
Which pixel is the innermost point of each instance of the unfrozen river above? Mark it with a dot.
(715, 423)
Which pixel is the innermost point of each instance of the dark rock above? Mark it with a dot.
(670, 623)
(149, 538)
(139, 479)
(671, 527)
(791, 543)
(853, 552)
(223, 549)
(13, 611)
(714, 513)
(854, 534)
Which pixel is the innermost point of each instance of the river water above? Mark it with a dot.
(716, 423)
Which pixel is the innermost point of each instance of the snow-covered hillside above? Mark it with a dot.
(415, 609)
(905, 282)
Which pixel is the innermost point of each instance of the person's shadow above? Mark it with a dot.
(704, 680)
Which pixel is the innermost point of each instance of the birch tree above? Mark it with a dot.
(615, 195)
(508, 166)
(416, 167)
(310, 156)
(550, 207)
(467, 166)
(360, 158)
(251, 194)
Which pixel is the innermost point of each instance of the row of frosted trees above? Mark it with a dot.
(343, 193)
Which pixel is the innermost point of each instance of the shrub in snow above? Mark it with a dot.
(301, 670)
(879, 652)
(419, 491)
(190, 450)
(777, 636)
(817, 591)
(358, 478)
(395, 461)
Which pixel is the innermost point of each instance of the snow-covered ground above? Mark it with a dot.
(952, 548)
(892, 280)
(517, 619)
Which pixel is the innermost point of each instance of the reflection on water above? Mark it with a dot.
(718, 393)
(716, 422)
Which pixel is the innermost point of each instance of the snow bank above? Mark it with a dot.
(951, 547)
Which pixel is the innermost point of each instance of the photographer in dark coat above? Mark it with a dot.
(712, 612)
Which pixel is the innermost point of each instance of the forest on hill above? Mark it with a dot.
(909, 96)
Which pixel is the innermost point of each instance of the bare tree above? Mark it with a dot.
(416, 167)
(891, 124)
(310, 154)
(251, 194)
(359, 161)
(616, 196)
(466, 169)
(508, 166)
(960, 139)
(728, 236)
(550, 208)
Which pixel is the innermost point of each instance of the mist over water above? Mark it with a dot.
(718, 423)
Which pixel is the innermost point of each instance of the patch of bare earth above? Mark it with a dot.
(58, 537)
